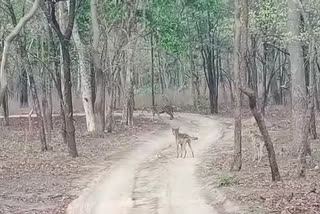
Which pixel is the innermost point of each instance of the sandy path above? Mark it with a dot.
(151, 179)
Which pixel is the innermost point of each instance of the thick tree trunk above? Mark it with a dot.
(211, 82)
(237, 150)
(67, 98)
(298, 82)
(99, 106)
(86, 86)
(305, 145)
(64, 33)
(129, 102)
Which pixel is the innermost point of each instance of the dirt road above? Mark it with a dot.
(151, 179)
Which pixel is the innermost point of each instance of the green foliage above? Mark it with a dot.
(164, 17)
(113, 13)
(169, 20)
(84, 19)
(268, 18)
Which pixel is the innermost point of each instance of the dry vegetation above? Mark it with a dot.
(252, 186)
(34, 182)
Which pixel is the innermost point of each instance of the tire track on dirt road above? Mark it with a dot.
(151, 179)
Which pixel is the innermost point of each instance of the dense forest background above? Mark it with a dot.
(102, 57)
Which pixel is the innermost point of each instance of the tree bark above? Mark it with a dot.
(36, 105)
(99, 106)
(24, 88)
(67, 98)
(64, 39)
(237, 150)
(5, 107)
(298, 82)
(50, 105)
(86, 86)
(264, 132)
(56, 77)
(312, 91)
(152, 70)
(111, 108)
(129, 102)
(305, 145)
(14, 33)
(23, 79)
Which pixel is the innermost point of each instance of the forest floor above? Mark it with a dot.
(152, 180)
(252, 186)
(34, 182)
(136, 171)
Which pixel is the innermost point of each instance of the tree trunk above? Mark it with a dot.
(265, 134)
(298, 82)
(312, 92)
(50, 105)
(110, 109)
(99, 106)
(152, 71)
(30, 121)
(305, 145)
(86, 86)
(128, 106)
(161, 79)
(237, 156)
(44, 98)
(64, 34)
(56, 77)
(23, 88)
(36, 105)
(23, 76)
(316, 81)
(67, 98)
(254, 69)
(264, 81)
(14, 33)
(5, 107)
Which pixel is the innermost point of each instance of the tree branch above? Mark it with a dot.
(14, 33)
